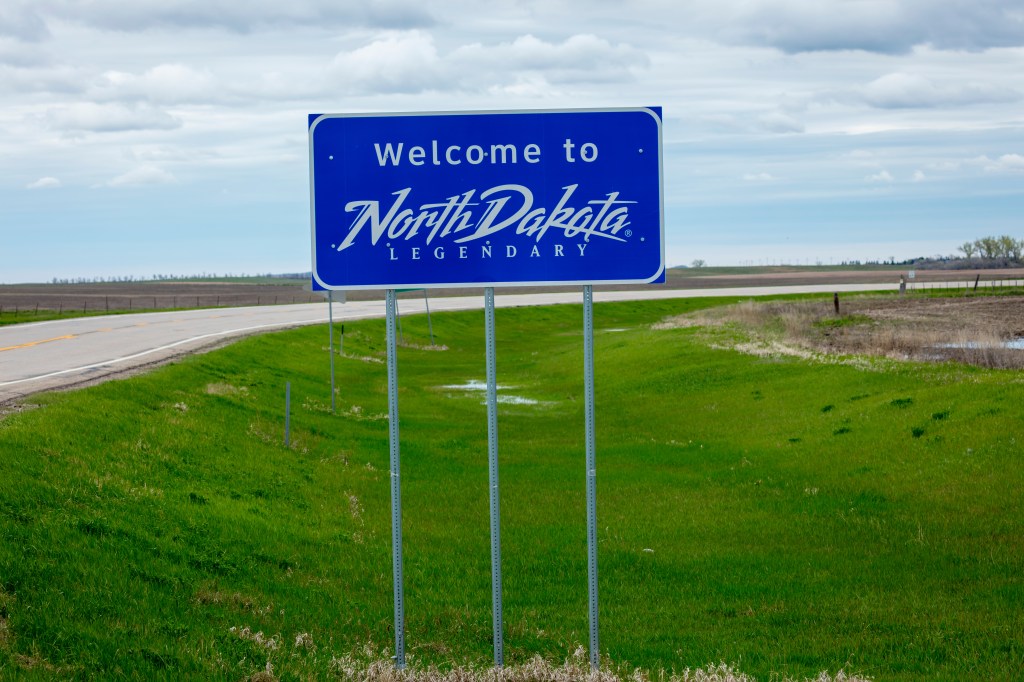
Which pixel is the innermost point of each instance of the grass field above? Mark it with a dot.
(782, 516)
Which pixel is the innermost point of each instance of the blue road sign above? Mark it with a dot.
(486, 198)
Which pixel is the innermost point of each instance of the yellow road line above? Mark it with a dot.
(36, 343)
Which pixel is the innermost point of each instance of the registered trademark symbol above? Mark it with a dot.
(629, 233)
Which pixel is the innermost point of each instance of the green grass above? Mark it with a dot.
(779, 515)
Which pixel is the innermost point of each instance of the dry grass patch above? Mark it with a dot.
(218, 388)
(576, 668)
(972, 330)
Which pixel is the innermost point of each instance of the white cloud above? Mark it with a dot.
(142, 175)
(410, 62)
(919, 176)
(907, 90)
(405, 62)
(1007, 163)
(44, 183)
(1012, 161)
(104, 118)
(881, 176)
(758, 177)
(165, 83)
(579, 58)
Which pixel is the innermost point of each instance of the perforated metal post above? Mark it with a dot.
(396, 488)
(492, 469)
(588, 390)
(330, 340)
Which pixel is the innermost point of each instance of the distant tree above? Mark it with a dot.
(969, 249)
(1010, 247)
(988, 247)
(698, 263)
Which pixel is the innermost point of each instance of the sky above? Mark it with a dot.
(145, 137)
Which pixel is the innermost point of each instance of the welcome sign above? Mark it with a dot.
(486, 198)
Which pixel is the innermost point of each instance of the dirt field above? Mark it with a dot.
(120, 296)
(984, 330)
(979, 330)
(125, 296)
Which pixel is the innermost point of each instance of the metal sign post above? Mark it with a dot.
(588, 402)
(330, 295)
(492, 478)
(396, 480)
(330, 341)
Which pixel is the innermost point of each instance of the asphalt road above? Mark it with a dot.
(62, 354)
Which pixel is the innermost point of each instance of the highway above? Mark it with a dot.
(63, 354)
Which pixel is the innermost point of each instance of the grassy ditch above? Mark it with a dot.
(779, 514)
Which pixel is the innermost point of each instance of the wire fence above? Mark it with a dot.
(50, 306)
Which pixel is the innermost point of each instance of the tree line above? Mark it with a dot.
(994, 248)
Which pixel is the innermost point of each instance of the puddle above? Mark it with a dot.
(474, 385)
(516, 400)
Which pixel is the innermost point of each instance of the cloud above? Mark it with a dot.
(885, 26)
(21, 21)
(105, 118)
(239, 17)
(1012, 161)
(142, 175)
(44, 183)
(881, 176)
(919, 176)
(778, 122)
(1007, 163)
(44, 79)
(165, 83)
(409, 62)
(759, 177)
(906, 90)
(405, 62)
(579, 58)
